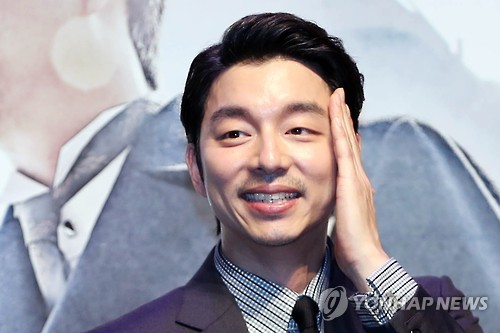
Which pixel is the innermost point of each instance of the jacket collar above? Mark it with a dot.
(207, 304)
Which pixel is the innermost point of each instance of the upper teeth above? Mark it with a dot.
(270, 198)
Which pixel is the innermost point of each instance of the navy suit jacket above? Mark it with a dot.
(204, 304)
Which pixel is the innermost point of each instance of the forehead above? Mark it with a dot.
(266, 87)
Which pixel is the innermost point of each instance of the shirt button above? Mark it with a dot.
(69, 229)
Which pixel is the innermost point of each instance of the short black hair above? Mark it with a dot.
(261, 37)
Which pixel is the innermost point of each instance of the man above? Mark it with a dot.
(271, 115)
(72, 74)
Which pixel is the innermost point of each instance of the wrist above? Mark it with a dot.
(361, 270)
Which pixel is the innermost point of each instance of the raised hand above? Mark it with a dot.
(358, 250)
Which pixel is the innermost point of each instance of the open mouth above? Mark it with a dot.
(271, 198)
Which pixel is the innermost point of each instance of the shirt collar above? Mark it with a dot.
(265, 305)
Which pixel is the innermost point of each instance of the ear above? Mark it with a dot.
(194, 171)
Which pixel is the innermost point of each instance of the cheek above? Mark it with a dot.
(220, 168)
(318, 163)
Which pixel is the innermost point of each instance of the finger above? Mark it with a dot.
(341, 142)
(349, 131)
(349, 127)
(355, 167)
(352, 135)
(360, 141)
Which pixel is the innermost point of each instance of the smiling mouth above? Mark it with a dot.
(271, 198)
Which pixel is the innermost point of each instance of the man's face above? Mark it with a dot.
(266, 152)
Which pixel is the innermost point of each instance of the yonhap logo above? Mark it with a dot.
(333, 303)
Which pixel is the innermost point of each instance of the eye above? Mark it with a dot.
(232, 135)
(298, 131)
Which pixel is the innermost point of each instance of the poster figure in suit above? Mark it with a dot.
(75, 80)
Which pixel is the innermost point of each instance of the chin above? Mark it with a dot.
(274, 240)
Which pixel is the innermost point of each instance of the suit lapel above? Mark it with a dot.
(207, 303)
(22, 308)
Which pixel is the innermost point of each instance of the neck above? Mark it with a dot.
(293, 265)
(45, 116)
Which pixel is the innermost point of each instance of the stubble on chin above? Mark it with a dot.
(274, 239)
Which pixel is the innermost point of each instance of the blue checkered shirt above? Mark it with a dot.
(267, 307)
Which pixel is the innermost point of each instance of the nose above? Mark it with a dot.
(272, 156)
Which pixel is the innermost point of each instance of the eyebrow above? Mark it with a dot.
(229, 112)
(236, 112)
(305, 108)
